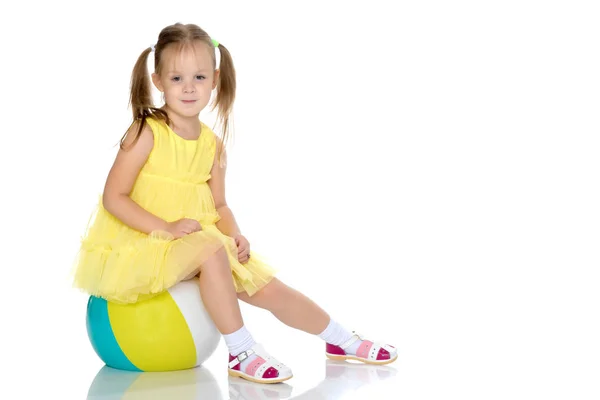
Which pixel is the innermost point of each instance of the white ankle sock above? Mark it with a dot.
(336, 335)
(240, 341)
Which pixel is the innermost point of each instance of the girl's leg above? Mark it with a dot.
(221, 303)
(298, 311)
(218, 293)
(289, 306)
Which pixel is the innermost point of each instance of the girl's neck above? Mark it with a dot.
(185, 126)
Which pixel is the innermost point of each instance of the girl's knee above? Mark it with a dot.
(272, 293)
(218, 260)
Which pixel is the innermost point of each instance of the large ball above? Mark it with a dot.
(169, 332)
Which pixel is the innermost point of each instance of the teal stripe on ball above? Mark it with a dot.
(102, 338)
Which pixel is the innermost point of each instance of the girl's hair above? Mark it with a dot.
(141, 95)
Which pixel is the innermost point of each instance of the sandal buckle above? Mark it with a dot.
(242, 356)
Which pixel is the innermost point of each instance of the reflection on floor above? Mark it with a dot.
(199, 383)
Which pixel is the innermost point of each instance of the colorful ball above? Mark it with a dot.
(169, 332)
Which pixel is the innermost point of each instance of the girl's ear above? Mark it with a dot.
(157, 83)
(216, 78)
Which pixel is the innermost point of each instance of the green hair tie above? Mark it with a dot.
(215, 43)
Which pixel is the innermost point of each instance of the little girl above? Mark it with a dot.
(163, 217)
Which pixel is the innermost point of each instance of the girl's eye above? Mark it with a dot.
(200, 77)
(176, 78)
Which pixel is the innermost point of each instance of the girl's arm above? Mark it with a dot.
(227, 224)
(121, 179)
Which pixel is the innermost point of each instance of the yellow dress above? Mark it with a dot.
(123, 265)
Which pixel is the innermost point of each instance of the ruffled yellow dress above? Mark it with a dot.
(123, 265)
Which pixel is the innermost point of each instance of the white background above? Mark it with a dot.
(427, 171)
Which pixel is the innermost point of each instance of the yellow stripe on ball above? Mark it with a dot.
(153, 334)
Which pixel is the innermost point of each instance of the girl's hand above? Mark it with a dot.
(183, 227)
(243, 248)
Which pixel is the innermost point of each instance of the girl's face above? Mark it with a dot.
(186, 79)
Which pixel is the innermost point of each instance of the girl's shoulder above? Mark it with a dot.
(208, 132)
(136, 133)
(156, 125)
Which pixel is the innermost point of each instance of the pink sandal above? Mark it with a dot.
(368, 352)
(264, 369)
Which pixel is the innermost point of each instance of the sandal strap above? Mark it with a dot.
(241, 357)
(272, 361)
(349, 342)
(263, 368)
(260, 352)
(387, 347)
(374, 351)
(384, 346)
